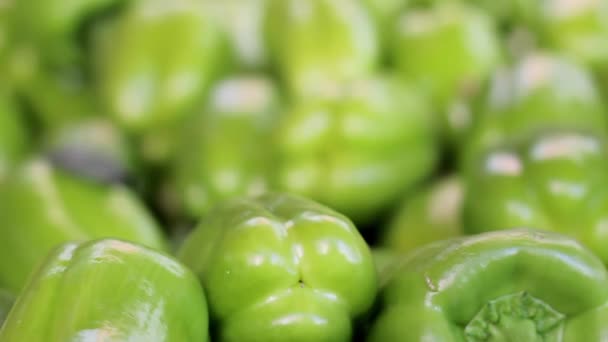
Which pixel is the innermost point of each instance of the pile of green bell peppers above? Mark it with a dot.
(303, 170)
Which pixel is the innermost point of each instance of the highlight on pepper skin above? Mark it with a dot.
(303, 170)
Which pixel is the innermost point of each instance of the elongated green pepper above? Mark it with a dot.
(518, 285)
(109, 290)
(554, 182)
(433, 213)
(281, 268)
(42, 207)
(155, 61)
(358, 148)
(313, 42)
(226, 150)
(541, 93)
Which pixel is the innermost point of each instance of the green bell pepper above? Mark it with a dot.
(155, 61)
(450, 48)
(359, 148)
(541, 93)
(13, 134)
(281, 268)
(6, 302)
(432, 213)
(42, 207)
(225, 150)
(578, 28)
(555, 182)
(519, 285)
(312, 42)
(109, 290)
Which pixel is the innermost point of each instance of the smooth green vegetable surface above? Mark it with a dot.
(313, 42)
(42, 207)
(553, 182)
(281, 268)
(226, 149)
(109, 290)
(432, 213)
(518, 285)
(358, 148)
(540, 94)
(426, 39)
(148, 77)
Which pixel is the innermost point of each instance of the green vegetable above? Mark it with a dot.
(42, 207)
(432, 213)
(155, 61)
(449, 48)
(281, 268)
(518, 285)
(109, 290)
(313, 42)
(578, 28)
(359, 148)
(555, 182)
(226, 150)
(541, 93)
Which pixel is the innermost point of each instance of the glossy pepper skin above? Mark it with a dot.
(109, 290)
(281, 268)
(541, 93)
(358, 148)
(226, 149)
(147, 77)
(313, 42)
(517, 285)
(43, 206)
(553, 182)
(450, 48)
(432, 213)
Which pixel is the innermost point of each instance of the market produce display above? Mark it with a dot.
(303, 170)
